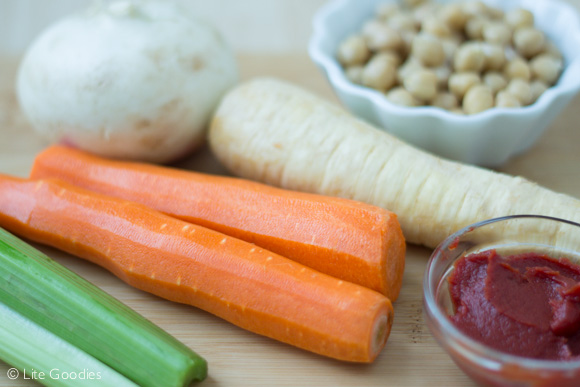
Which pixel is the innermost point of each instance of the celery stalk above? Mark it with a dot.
(70, 307)
(44, 357)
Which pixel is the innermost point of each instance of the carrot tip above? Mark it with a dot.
(380, 333)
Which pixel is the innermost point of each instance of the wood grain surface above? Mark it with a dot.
(240, 358)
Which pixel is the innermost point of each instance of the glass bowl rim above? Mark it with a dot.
(473, 348)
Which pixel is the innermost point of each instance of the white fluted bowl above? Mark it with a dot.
(489, 138)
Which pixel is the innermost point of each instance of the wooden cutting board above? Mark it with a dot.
(239, 358)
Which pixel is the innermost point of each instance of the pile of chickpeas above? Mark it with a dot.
(464, 57)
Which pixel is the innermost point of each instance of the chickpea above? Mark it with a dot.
(402, 21)
(409, 67)
(546, 68)
(354, 74)
(383, 37)
(510, 53)
(353, 51)
(436, 27)
(497, 32)
(495, 13)
(521, 90)
(495, 81)
(538, 88)
(442, 73)
(529, 41)
(385, 10)
(457, 111)
(469, 57)
(519, 18)
(459, 83)
(393, 56)
(475, 8)
(450, 46)
(453, 15)
(425, 11)
(505, 99)
(422, 84)
(517, 68)
(494, 56)
(379, 73)
(445, 100)
(477, 99)
(370, 27)
(407, 37)
(400, 96)
(474, 27)
(428, 49)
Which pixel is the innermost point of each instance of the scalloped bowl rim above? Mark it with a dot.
(338, 79)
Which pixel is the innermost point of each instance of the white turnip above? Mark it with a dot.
(130, 79)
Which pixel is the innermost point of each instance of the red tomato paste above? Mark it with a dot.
(525, 304)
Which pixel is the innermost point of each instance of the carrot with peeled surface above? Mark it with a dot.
(251, 287)
(349, 240)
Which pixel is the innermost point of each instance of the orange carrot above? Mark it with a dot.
(248, 286)
(349, 240)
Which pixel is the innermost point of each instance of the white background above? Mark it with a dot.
(249, 25)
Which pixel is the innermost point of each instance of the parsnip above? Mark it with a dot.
(276, 133)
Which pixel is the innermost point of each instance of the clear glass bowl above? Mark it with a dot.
(508, 235)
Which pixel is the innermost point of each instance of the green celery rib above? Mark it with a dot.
(48, 359)
(54, 297)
